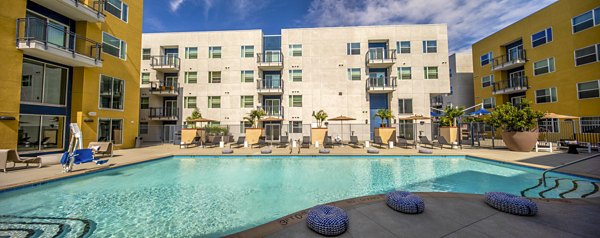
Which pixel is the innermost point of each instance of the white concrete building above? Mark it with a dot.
(461, 81)
(350, 71)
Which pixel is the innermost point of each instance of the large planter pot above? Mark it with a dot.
(449, 133)
(387, 134)
(520, 141)
(318, 134)
(253, 134)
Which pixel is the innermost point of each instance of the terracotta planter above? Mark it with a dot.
(520, 141)
(449, 133)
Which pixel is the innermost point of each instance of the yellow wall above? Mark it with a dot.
(558, 16)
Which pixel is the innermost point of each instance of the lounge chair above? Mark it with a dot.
(216, 141)
(328, 143)
(354, 142)
(12, 156)
(104, 148)
(425, 141)
(261, 142)
(284, 141)
(239, 143)
(305, 142)
(403, 142)
(442, 142)
(378, 142)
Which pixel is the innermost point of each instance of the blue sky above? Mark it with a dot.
(468, 20)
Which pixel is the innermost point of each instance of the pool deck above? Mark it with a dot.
(51, 170)
(448, 215)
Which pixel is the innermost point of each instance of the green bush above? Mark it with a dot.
(515, 119)
(216, 130)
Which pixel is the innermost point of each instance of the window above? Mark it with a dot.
(146, 53)
(429, 46)
(214, 101)
(247, 51)
(587, 55)
(431, 72)
(487, 81)
(586, 20)
(113, 46)
(543, 66)
(214, 52)
(403, 47)
(247, 102)
(588, 124)
(247, 76)
(296, 50)
(191, 77)
(143, 128)
(214, 77)
(549, 125)
(191, 52)
(117, 8)
(489, 103)
(295, 100)
(588, 89)
(245, 125)
(353, 48)
(354, 74)
(144, 102)
(43, 83)
(111, 92)
(40, 132)
(405, 106)
(145, 78)
(295, 127)
(545, 95)
(110, 130)
(405, 73)
(189, 102)
(541, 37)
(485, 59)
(296, 75)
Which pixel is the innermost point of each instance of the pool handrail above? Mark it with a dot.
(565, 165)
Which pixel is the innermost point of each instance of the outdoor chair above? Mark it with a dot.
(284, 141)
(305, 142)
(425, 141)
(12, 156)
(403, 142)
(543, 146)
(104, 148)
(262, 142)
(354, 142)
(239, 143)
(216, 141)
(377, 141)
(328, 143)
(442, 142)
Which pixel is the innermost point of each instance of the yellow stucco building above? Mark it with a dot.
(69, 61)
(551, 58)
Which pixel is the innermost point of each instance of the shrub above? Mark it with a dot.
(514, 118)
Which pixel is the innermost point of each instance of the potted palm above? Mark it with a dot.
(518, 124)
(385, 130)
(319, 133)
(253, 134)
(190, 128)
(191, 119)
(448, 123)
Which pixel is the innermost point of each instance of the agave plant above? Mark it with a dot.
(385, 115)
(254, 116)
(320, 116)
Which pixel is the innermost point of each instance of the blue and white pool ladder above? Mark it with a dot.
(76, 154)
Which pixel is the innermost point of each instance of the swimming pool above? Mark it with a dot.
(214, 196)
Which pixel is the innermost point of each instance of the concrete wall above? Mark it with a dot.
(461, 81)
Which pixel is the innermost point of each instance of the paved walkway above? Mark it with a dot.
(448, 215)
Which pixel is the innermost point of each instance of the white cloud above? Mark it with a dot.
(468, 20)
(175, 4)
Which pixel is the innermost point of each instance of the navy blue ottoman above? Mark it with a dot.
(405, 202)
(327, 220)
(512, 204)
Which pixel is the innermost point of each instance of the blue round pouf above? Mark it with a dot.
(512, 204)
(327, 220)
(405, 202)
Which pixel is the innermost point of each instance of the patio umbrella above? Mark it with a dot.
(551, 115)
(342, 119)
(414, 118)
(435, 114)
(480, 112)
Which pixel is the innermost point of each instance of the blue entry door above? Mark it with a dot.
(376, 102)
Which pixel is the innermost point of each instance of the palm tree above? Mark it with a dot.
(254, 116)
(195, 115)
(385, 115)
(450, 116)
(320, 116)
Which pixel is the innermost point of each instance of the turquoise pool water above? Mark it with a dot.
(215, 196)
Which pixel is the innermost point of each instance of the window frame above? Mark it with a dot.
(295, 127)
(291, 100)
(350, 72)
(122, 14)
(291, 75)
(596, 52)
(489, 55)
(492, 102)
(551, 91)
(111, 139)
(243, 53)
(546, 37)
(401, 48)
(551, 68)
(211, 53)
(186, 77)
(579, 90)
(545, 123)
(113, 79)
(401, 75)
(142, 78)
(350, 49)
(490, 78)
(211, 102)
(402, 102)
(243, 102)
(144, 128)
(43, 95)
(245, 73)
(211, 77)
(593, 18)
(426, 47)
(142, 103)
(292, 50)
(122, 46)
(186, 102)
(426, 71)
(583, 126)
(146, 56)
(188, 53)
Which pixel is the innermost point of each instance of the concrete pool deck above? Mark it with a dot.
(448, 215)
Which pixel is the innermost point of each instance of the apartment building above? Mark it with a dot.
(69, 61)
(350, 71)
(549, 58)
(461, 83)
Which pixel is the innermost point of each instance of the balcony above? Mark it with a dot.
(381, 84)
(53, 42)
(78, 10)
(380, 58)
(165, 63)
(272, 111)
(269, 87)
(163, 114)
(270, 61)
(164, 89)
(437, 101)
(510, 61)
(514, 85)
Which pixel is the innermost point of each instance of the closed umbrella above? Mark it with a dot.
(342, 119)
(414, 118)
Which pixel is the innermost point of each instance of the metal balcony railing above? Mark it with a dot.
(165, 61)
(269, 58)
(164, 87)
(380, 55)
(164, 113)
(96, 6)
(272, 111)
(381, 83)
(504, 61)
(511, 85)
(50, 34)
(269, 84)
